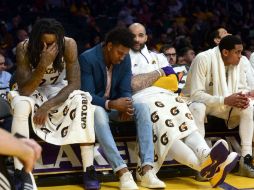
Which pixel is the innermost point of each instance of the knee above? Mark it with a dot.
(141, 108)
(22, 107)
(247, 113)
(197, 109)
(100, 116)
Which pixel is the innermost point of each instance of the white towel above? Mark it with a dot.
(69, 123)
(221, 85)
(171, 120)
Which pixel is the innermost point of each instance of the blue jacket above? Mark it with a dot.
(94, 76)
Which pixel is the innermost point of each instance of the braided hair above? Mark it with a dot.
(46, 26)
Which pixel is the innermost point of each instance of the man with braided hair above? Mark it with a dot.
(60, 113)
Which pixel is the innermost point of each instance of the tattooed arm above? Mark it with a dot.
(72, 74)
(28, 80)
(145, 80)
(73, 78)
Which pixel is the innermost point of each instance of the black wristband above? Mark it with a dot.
(19, 136)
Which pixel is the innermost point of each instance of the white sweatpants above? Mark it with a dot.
(20, 124)
(199, 112)
(190, 151)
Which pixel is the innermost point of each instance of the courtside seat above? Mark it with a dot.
(65, 159)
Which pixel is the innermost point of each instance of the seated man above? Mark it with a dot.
(56, 105)
(248, 65)
(215, 36)
(106, 74)
(170, 53)
(217, 85)
(181, 70)
(186, 55)
(175, 132)
(4, 89)
(5, 78)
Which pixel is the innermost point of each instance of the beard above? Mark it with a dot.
(138, 48)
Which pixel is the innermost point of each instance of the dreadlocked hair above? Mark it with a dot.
(34, 48)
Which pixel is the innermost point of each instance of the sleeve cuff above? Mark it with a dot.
(106, 104)
(222, 100)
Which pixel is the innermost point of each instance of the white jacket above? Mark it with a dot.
(200, 82)
(146, 61)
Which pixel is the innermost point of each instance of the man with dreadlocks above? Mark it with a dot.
(59, 111)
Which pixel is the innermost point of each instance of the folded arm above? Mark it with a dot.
(142, 81)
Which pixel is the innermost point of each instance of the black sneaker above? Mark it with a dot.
(22, 180)
(246, 166)
(90, 180)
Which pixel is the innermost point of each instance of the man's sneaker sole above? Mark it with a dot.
(218, 155)
(92, 188)
(224, 169)
(92, 185)
(128, 188)
(150, 180)
(127, 182)
(153, 186)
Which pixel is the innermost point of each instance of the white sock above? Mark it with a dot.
(87, 156)
(20, 124)
(198, 144)
(184, 155)
(202, 152)
(246, 130)
(246, 150)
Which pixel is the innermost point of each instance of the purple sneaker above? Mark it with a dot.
(90, 180)
(217, 156)
(224, 169)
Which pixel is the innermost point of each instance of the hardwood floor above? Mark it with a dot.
(232, 182)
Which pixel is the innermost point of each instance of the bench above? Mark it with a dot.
(67, 160)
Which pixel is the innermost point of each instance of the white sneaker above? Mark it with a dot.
(127, 182)
(150, 180)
